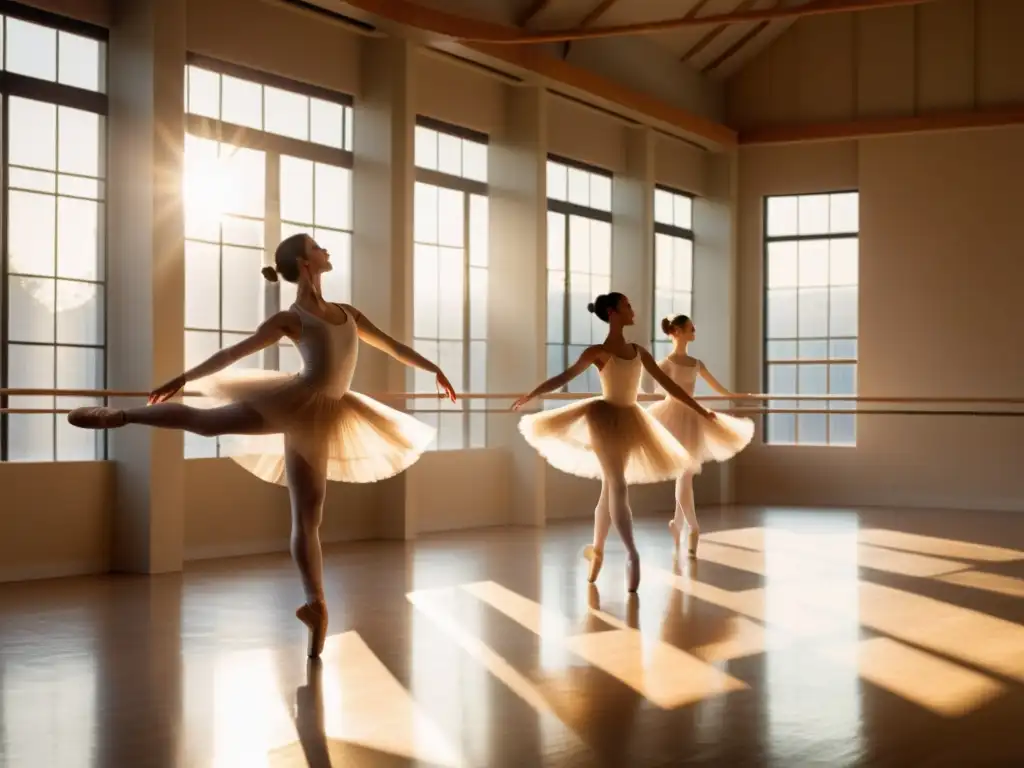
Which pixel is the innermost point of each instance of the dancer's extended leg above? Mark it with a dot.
(602, 524)
(685, 511)
(307, 485)
(622, 517)
(234, 419)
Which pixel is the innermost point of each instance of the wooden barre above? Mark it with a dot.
(644, 397)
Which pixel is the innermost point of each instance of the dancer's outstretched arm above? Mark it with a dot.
(714, 383)
(670, 386)
(590, 356)
(375, 337)
(270, 332)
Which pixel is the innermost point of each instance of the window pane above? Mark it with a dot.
(203, 92)
(449, 154)
(425, 287)
(782, 265)
(478, 231)
(477, 303)
(80, 230)
(81, 62)
(425, 215)
(556, 358)
(813, 312)
(424, 380)
(845, 212)
(80, 316)
(285, 113)
(580, 295)
(579, 186)
(202, 285)
(333, 196)
(813, 216)
(782, 216)
(579, 244)
(556, 306)
(842, 379)
(80, 142)
(78, 368)
(781, 314)
(244, 232)
(682, 272)
(450, 357)
(781, 350)
(39, 181)
(349, 129)
(600, 248)
(245, 171)
(450, 435)
(813, 350)
(781, 426)
(843, 262)
(478, 370)
(812, 429)
(31, 309)
(326, 123)
(683, 206)
(843, 312)
(812, 380)
(814, 259)
(600, 192)
(451, 296)
(556, 241)
(664, 304)
(843, 348)
(241, 102)
(477, 430)
(202, 189)
(32, 133)
(31, 49)
(296, 190)
(450, 217)
(30, 234)
(782, 379)
(557, 184)
(663, 209)
(243, 288)
(30, 436)
(337, 284)
(426, 148)
(474, 160)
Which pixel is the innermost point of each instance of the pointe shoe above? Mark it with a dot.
(632, 574)
(691, 544)
(96, 417)
(314, 616)
(596, 559)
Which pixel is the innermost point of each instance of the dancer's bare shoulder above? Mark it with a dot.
(286, 322)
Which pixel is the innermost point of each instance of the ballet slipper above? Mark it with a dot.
(314, 616)
(632, 573)
(97, 417)
(596, 558)
(692, 544)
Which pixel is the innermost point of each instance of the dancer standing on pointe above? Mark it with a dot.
(610, 437)
(704, 443)
(303, 429)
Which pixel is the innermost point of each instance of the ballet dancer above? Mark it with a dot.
(301, 429)
(704, 443)
(610, 437)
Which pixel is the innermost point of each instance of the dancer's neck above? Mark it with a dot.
(309, 292)
(679, 348)
(615, 335)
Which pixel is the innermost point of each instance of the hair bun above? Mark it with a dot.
(591, 308)
(666, 326)
(269, 273)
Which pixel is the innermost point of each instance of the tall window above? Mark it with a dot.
(450, 277)
(811, 244)
(265, 158)
(673, 262)
(579, 263)
(53, 222)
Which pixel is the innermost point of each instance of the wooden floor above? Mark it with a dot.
(800, 637)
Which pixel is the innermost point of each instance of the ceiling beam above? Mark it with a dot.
(713, 34)
(534, 10)
(598, 11)
(736, 47)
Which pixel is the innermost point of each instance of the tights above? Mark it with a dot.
(613, 507)
(685, 508)
(307, 484)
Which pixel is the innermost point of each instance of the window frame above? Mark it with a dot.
(468, 188)
(59, 95)
(671, 230)
(568, 209)
(274, 147)
(797, 362)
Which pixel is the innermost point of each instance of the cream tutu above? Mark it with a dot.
(315, 414)
(704, 440)
(612, 428)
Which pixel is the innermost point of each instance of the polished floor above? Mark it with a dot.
(799, 638)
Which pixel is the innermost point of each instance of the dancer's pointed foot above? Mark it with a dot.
(596, 558)
(97, 417)
(314, 616)
(691, 544)
(632, 573)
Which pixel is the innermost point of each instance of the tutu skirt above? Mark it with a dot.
(577, 438)
(358, 439)
(703, 440)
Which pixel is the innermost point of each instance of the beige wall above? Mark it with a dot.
(938, 56)
(940, 272)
